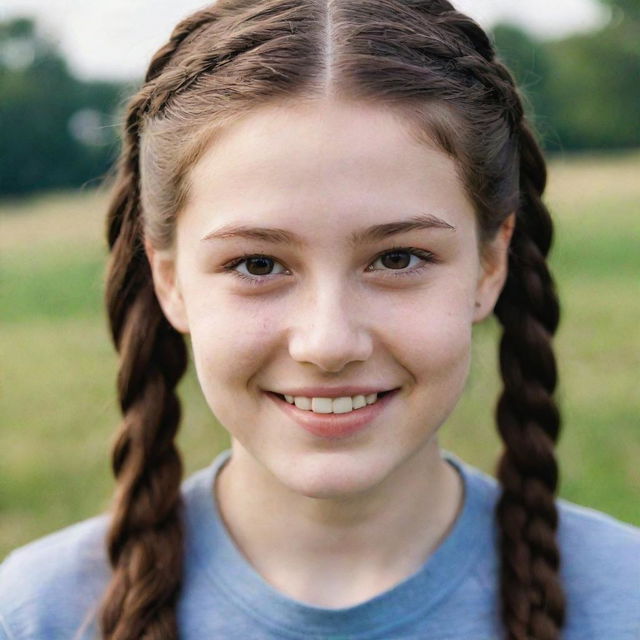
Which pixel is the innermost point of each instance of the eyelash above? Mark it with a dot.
(427, 256)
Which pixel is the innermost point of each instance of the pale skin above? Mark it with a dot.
(331, 523)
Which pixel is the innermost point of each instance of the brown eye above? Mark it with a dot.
(252, 267)
(259, 266)
(396, 259)
(407, 261)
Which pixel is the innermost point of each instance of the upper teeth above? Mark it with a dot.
(332, 405)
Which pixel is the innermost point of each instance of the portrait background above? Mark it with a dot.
(61, 98)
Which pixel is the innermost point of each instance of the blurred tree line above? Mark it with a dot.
(56, 131)
(583, 91)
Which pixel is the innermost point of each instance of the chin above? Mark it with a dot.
(331, 491)
(334, 480)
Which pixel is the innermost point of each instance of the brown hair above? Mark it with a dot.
(436, 67)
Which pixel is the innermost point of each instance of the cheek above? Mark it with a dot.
(436, 353)
(230, 341)
(432, 331)
(229, 349)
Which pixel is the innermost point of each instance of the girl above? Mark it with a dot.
(326, 196)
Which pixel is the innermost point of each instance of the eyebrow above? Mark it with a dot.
(371, 234)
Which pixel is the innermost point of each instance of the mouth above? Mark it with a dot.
(332, 425)
(378, 396)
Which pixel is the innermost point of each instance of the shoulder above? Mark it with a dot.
(595, 530)
(37, 580)
(51, 587)
(593, 541)
(600, 553)
(599, 563)
(600, 566)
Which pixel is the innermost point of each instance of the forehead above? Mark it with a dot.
(322, 163)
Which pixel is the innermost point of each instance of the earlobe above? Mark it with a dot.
(494, 270)
(167, 287)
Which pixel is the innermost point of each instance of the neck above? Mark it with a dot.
(339, 552)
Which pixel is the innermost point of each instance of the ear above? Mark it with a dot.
(167, 286)
(494, 270)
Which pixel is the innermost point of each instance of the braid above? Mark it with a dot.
(145, 537)
(528, 419)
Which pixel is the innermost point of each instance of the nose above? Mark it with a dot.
(329, 329)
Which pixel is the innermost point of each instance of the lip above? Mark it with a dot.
(333, 392)
(334, 425)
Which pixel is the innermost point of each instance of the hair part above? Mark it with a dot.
(437, 69)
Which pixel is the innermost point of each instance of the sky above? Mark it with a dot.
(115, 39)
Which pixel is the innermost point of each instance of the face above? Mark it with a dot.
(373, 282)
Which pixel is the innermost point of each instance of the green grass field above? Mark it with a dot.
(57, 395)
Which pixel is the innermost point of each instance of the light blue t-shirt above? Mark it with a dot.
(49, 587)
